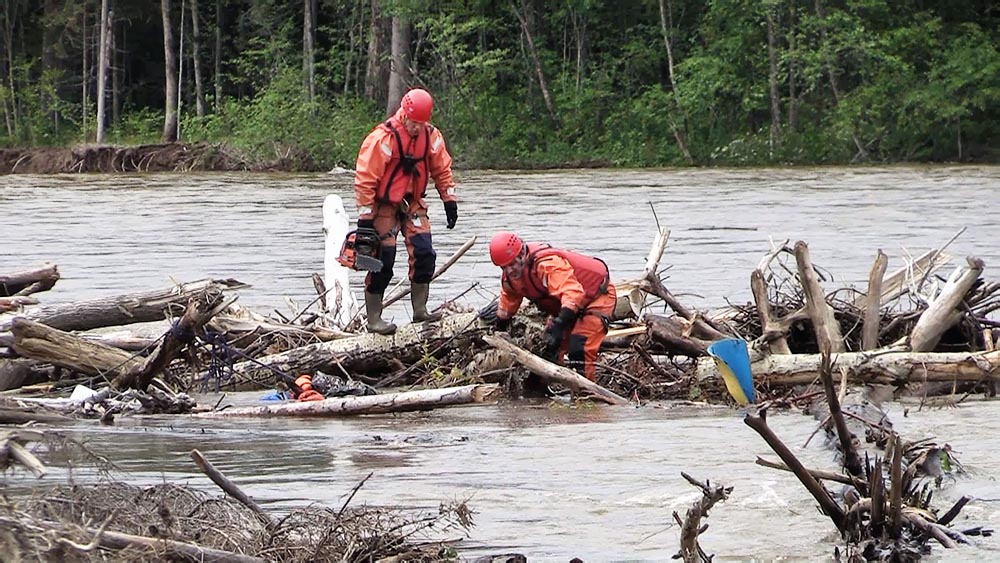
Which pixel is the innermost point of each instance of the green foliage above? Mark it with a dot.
(279, 123)
(862, 80)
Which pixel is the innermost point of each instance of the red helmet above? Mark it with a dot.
(417, 104)
(505, 247)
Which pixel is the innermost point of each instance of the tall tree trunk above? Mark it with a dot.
(377, 74)
(680, 131)
(10, 115)
(85, 82)
(308, 49)
(536, 60)
(50, 38)
(351, 39)
(180, 70)
(102, 69)
(218, 54)
(793, 100)
(199, 91)
(116, 77)
(170, 72)
(772, 79)
(399, 76)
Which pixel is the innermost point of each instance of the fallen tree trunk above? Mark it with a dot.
(123, 309)
(555, 374)
(29, 281)
(892, 368)
(40, 342)
(424, 399)
(409, 339)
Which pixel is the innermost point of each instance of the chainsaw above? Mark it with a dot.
(361, 251)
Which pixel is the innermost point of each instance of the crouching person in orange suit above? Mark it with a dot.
(574, 289)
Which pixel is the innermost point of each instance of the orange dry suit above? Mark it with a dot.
(304, 382)
(390, 183)
(554, 279)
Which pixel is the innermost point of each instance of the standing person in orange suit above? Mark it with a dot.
(394, 165)
(575, 290)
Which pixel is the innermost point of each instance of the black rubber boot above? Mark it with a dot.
(373, 306)
(419, 292)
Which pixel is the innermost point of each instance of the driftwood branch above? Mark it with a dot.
(820, 313)
(555, 374)
(442, 269)
(691, 528)
(199, 311)
(829, 507)
(873, 304)
(944, 311)
(232, 489)
(26, 282)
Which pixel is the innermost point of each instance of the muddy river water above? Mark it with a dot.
(551, 482)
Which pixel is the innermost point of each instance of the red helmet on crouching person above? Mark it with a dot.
(505, 247)
(417, 105)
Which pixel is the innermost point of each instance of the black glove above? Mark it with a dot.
(554, 334)
(502, 324)
(451, 212)
(488, 314)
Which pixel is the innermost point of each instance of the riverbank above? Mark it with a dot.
(169, 157)
(221, 157)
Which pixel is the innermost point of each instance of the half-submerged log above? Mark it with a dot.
(29, 281)
(893, 368)
(142, 307)
(425, 399)
(555, 374)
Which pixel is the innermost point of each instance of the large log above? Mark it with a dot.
(29, 281)
(825, 326)
(45, 344)
(943, 312)
(142, 307)
(325, 355)
(424, 399)
(867, 367)
(555, 374)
